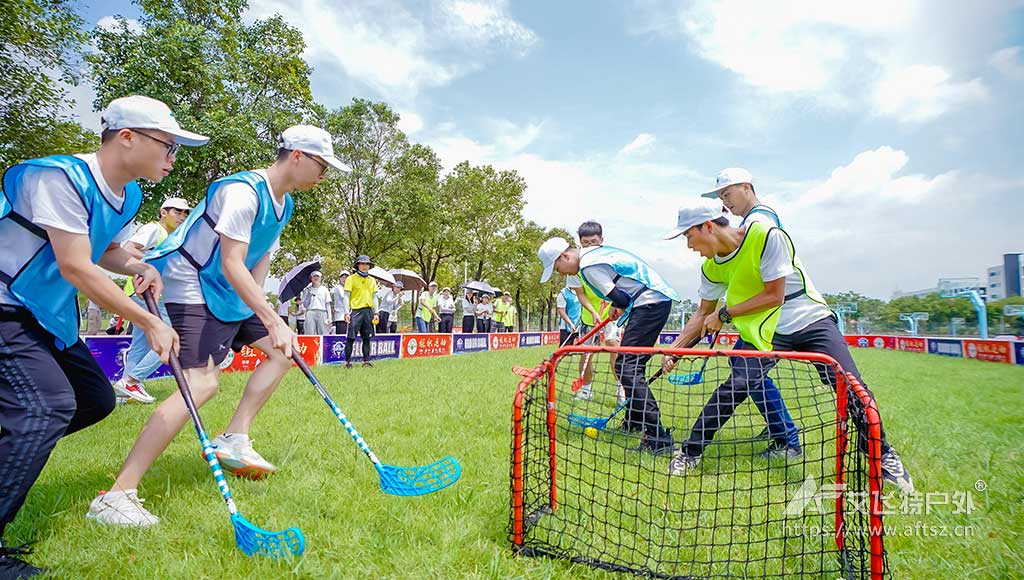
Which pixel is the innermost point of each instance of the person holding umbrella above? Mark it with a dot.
(361, 289)
(317, 301)
(468, 310)
(341, 309)
(483, 314)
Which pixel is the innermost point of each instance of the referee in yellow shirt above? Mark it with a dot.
(361, 289)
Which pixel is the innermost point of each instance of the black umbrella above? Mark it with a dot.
(295, 280)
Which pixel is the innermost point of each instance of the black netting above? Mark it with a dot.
(736, 515)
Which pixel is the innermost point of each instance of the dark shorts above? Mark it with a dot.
(361, 323)
(203, 336)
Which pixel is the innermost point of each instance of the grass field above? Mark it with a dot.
(956, 422)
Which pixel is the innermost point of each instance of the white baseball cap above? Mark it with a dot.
(176, 203)
(316, 273)
(312, 140)
(548, 253)
(138, 112)
(727, 177)
(697, 213)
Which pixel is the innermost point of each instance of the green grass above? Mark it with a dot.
(955, 422)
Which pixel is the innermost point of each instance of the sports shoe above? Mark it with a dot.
(368, 364)
(236, 456)
(12, 566)
(120, 509)
(348, 365)
(683, 464)
(778, 450)
(656, 446)
(620, 394)
(136, 392)
(894, 472)
(586, 393)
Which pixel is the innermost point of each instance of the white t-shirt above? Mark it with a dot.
(340, 302)
(468, 307)
(147, 236)
(282, 309)
(234, 209)
(317, 298)
(389, 301)
(445, 305)
(777, 262)
(602, 278)
(50, 200)
(484, 310)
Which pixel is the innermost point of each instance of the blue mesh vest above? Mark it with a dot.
(37, 282)
(626, 265)
(198, 243)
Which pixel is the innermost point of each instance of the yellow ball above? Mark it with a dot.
(591, 432)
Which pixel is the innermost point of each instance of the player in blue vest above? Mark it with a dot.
(61, 218)
(634, 290)
(215, 265)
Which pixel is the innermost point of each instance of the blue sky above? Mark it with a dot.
(886, 134)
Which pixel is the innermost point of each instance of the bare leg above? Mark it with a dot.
(166, 421)
(261, 385)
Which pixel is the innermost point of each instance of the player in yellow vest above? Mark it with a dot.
(361, 289)
(140, 360)
(509, 313)
(771, 300)
(426, 314)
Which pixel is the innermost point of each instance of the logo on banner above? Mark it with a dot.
(879, 342)
(458, 344)
(863, 342)
(227, 360)
(494, 342)
(529, 340)
(338, 349)
(410, 347)
(972, 351)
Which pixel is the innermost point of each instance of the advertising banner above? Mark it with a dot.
(504, 341)
(417, 345)
(382, 346)
(945, 346)
(550, 338)
(1018, 352)
(912, 344)
(249, 358)
(528, 339)
(990, 350)
(465, 343)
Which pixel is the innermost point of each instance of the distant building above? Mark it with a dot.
(982, 291)
(1007, 279)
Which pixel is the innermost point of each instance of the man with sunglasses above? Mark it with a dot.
(140, 361)
(61, 219)
(215, 266)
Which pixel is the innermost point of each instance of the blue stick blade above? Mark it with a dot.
(584, 422)
(687, 379)
(257, 541)
(419, 480)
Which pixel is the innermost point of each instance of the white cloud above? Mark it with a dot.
(399, 48)
(639, 145)
(113, 24)
(899, 57)
(1008, 62)
(409, 122)
(921, 93)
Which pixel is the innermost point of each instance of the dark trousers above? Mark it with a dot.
(497, 327)
(393, 327)
(45, 394)
(340, 327)
(645, 324)
(748, 377)
(445, 325)
(483, 324)
(382, 321)
(566, 337)
(284, 317)
(300, 326)
(361, 325)
(467, 323)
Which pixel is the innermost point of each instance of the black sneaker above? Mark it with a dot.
(13, 567)
(661, 445)
(683, 464)
(894, 472)
(348, 365)
(778, 450)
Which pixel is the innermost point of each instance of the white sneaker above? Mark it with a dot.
(136, 392)
(118, 508)
(620, 394)
(236, 456)
(585, 393)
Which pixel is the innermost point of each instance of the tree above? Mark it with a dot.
(241, 84)
(41, 43)
(493, 204)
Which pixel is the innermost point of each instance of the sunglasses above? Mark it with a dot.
(323, 165)
(172, 148)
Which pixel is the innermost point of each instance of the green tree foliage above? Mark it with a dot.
(42, 40)
(240, 83)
